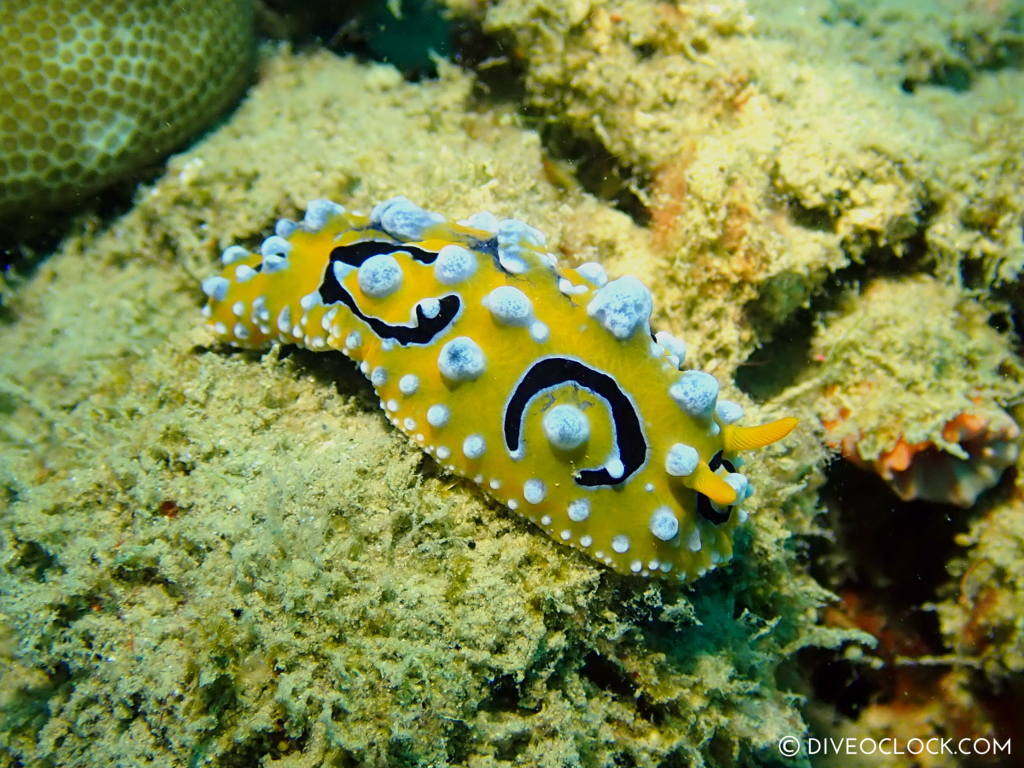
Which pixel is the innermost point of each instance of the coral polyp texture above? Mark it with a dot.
(917, 396)
(93, 90)
(542, 383)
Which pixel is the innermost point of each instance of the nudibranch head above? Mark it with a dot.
(541, 383)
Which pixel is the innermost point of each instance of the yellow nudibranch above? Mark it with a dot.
(541, 383)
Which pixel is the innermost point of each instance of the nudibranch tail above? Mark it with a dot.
(541, 383)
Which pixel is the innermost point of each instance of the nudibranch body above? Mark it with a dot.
(543, 384)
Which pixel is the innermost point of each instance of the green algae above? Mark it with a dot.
(224, 558)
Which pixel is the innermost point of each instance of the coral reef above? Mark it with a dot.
(919, 693)
(213, 557)
(977, 221)
(988, 447)
(939, 713)
(94, 90)
(946, 43)
(917, 395)
(752, 202)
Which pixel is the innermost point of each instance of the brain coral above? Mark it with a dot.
(91, 90)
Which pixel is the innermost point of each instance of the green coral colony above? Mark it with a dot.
(95, 89)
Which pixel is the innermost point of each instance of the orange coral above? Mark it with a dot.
(923, 470)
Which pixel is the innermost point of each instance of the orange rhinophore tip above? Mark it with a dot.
(748, 438)
(705, 481)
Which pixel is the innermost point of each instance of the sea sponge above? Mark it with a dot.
(92, 90)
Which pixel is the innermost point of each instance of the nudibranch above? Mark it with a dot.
(541, 383)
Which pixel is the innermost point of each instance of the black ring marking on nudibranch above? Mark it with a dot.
(423, 331)
(704, 507)
(355, 254)
(552, 371)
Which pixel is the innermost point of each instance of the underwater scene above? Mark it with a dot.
(511, 383)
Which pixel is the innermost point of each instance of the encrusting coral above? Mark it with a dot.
(93, 90)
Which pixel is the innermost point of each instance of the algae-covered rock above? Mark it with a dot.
(913, 383)
(981, 203)
(212, 557)
(981, 615)
(761, 174)
(947, 42)
(93, 90)
(765, 153)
